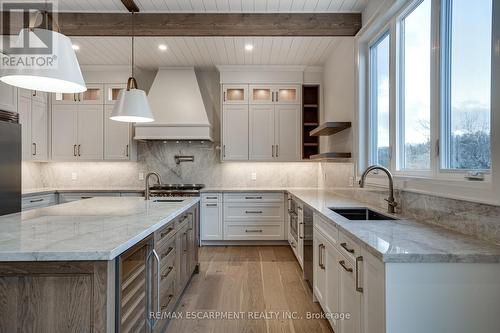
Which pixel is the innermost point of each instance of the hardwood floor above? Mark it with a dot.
(250, 282)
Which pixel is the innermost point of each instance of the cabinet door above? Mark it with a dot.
(111, 92)
(64, 98)
(39, 133)
(64, 127)
(192, 248)
(287, 132)
(8, 97)
(300, 231)
(333, 278)
(235, 132)
(93, 94)
(349, 298)
(116, 137)
(211, 221)
(24, 110)
(39, 96)
(182, 257)
(261, 118)
(371, 277)
(288, 94)
(90, 132)
(261, 94)
(235, 94)
(319, 267)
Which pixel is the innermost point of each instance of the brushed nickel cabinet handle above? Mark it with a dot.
(277, 150)
(224, 151)
(250, 198)
(33, 93)
(211, 197)
(127, 150)
(211, 205)
(163, 276)
(253, 212)
(224, 96)
(272, 150)
(74, 97)
(163, 234)
(79, 147)
(34, 149)
(165, 254)
(342, 263)
(85, 197)
(257, 230)
(358, 260)
(36, 200)
(74, 150)
(164, 306)
(344, 246)
(320, 256)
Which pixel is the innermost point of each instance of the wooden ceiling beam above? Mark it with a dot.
(131, 6)
(166, 24)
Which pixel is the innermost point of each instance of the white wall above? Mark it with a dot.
(339, 94)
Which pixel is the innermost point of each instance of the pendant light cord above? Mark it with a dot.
(133, 35)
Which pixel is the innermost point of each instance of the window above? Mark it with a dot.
(379, 105)
(415, 71)
(466, 84)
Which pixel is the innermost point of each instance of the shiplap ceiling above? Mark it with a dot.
(205, 52)
(216, 6)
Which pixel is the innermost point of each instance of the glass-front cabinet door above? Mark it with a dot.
(235, 94)
(111, 92)
(93, 95)
(261, 94)
(289, 94)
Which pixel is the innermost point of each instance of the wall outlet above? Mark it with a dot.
(74, 176)
(351, 181)
(141, 175)
(254, 175)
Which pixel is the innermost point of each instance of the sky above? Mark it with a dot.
(471, 68)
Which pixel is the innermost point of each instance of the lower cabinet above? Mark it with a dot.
(38, 201)
(348, 283)
(211, 217)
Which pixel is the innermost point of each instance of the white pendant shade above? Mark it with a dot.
(64, 76)
(132, 106)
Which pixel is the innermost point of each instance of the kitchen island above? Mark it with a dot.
(95, 265)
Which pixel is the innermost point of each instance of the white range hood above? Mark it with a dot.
(178, 108)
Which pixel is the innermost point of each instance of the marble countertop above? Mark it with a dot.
(92, 229)
(214, 189)
(401, 240)
(47, 190)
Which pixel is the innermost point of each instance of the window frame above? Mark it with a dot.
(444, 182)
(373, 117)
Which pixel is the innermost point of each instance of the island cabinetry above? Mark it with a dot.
(63, 296)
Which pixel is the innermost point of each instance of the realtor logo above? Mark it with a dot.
(27, 15)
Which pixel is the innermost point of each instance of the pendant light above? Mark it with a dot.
(132, 105)
(64, 76)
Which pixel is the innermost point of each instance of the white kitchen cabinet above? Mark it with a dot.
(211, 217)
(288, 94)
(300, 232)
(93, 95)
(349, 298)
(287, 132)
(117, 137)
(77, 132)
(39, 129)
(235, 94)
(33, 116)
(90, 132)
(261, 94)
(371, 278)
(331, 301)
(111, 91)
(319, 266)
(8, 97)
(235, 132)
(261, 118)
(275, 94)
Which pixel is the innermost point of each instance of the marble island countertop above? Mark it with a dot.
(92, 229)
(403, 240)
(47, 190)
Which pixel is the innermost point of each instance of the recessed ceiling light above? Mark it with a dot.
(248, 47)
(162, 47)
(75, 47)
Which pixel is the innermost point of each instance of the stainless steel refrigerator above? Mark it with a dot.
(10, 163)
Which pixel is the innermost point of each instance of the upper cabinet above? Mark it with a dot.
(32, 107)
(235, 94)
(111, 92)
(275, 94)
(117, 137)
(93, 95)
(8, 97)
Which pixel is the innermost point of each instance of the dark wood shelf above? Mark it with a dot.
(331, 155)
(311, 144)
(330, 128)
(310, 105)
(311, 124)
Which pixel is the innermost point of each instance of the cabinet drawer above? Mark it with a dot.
(39, 201)
(186, 217)
(211, 197)
(269, 212)
(254, 197)
(253, 231)
(165, 245)
(167, 270)
(348, 247)
(328, 229)
(164, 235)
(70, 197)
(167, 296)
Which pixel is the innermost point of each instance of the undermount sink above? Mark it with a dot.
(361, 213)
(168, 200)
